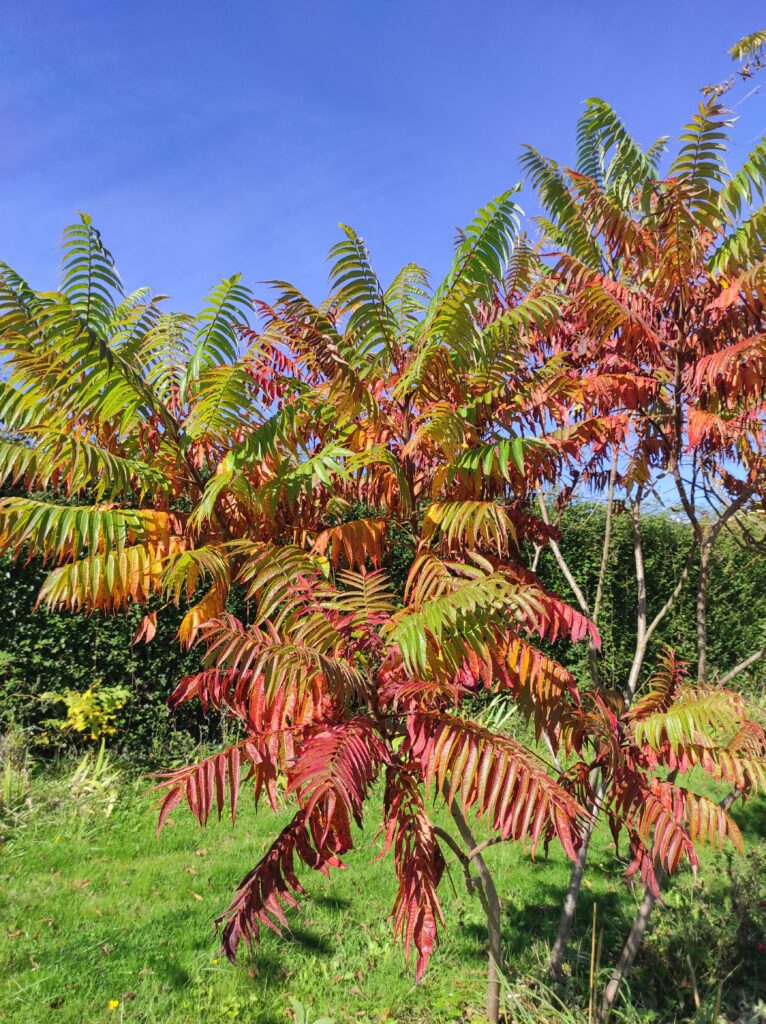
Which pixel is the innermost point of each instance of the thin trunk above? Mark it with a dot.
(638, 929)
(572, 896)
(701, 611)
(629, 950)
(706, 539)
(641, 602)
(566, 920)
(644, 631)
(491, 903)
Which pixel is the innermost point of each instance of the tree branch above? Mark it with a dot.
(674, 593)
(562, 562)
(607, 536)
(730, 511)
(750, 660)
(483, 845)
(641, 604)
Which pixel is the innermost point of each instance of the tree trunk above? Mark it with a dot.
(491, 903)
(644, 631)
(629, 950)
(573, 893)
(701, 612)
(578, 870)
(638, 929)
(494, 925)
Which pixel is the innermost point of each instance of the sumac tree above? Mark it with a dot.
(300, 453)
(663, 334)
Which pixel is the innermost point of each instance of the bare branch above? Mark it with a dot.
(641, 604)
(750, 660)
(687, 505)
(483, 846)
(674, 593)
(444, 835)
(739, 502)
(562, 562)
(607, 536)
(536, 558)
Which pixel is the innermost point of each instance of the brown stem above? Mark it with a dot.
(566, 920)
(483, 845)
(465, 863)
(629, 950)
(491, 903)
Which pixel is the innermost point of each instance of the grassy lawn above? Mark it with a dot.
(95, 909)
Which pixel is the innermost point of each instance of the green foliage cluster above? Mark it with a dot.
(91, 712)
(44, 655)
(723, 936)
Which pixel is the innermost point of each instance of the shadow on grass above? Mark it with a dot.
(300, 938)
(336, 903)
(172, 974)
(526, 923)
(270, 967)
(270, 970)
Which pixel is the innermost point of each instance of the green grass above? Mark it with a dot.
(95, 908)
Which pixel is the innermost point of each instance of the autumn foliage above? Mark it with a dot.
(362, 472)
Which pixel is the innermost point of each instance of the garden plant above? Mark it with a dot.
(350, 501)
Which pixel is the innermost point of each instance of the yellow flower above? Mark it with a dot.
(215, 959)
(113, 1004)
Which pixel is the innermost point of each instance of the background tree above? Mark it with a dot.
(663, 332)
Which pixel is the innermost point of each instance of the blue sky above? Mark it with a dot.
(206, 137)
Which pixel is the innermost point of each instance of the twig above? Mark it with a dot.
(483, 845)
